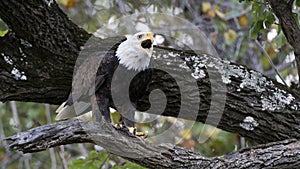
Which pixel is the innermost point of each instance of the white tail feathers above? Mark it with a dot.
(65, 112)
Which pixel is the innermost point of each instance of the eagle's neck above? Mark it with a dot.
(132, 57)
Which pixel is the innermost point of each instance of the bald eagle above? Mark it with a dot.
(121, 70)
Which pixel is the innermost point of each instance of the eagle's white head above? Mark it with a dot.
(136, 51)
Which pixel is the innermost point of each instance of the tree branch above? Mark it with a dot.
(284, 154)
(283, 11)
(37, 43)
(256, 107)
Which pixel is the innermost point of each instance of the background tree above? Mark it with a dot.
(227, 24)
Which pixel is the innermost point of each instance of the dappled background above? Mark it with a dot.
(242, 32)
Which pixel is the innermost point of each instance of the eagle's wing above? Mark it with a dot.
(88, 76)
(86, 81)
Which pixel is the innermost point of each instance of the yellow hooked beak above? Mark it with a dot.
(147, 44)
(150, 36)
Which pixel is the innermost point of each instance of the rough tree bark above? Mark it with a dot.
(42, 46)
(282, 154)
(41, 39)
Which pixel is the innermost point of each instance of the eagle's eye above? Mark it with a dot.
(140, 36)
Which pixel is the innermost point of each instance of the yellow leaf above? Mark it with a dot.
(71, 3)
(220, 14)
(243, 20)
(63, 2)
(210, 13)
(205, 6)
(186, 134)
(271, 52)
(230, 36)
(215, 133)
(68, 3)
(214, 37)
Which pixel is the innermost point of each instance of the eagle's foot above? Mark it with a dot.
(118, 126)
(132, 130)
(142, 133)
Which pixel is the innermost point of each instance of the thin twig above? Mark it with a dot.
(24, 158)
(83, 150)
(243, 12)
(15, 115)
(3, 142)
(51, 150)
(242, 142)
(62, 157)
(280, 67)
(270, 61)
(102, 164)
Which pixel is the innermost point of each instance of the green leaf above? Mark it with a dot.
(93, 161)
(221, 25)
(3, 28)
(297, 3)
(279, 29)
(270, 19)
(257, 10)
(280, 39)
(33, 113)
(255, 29)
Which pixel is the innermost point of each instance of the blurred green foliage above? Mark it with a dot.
(3, 28)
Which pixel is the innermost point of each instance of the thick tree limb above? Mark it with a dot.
(284, 154)
(255, 106)
(283, 11)
(41, 39)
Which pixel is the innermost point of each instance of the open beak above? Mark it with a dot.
(147, 44)
(150, 36)
(147, 41)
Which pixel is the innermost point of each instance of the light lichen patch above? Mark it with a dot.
(165, 56)
(197, 67)
(7, 59)
(173, 54)
(198, 73)
(278, 100)
(156, 56)
(254, 80)
(249, 123)
(184, 66)
(18, 75)
(271, 97)
(49, 2)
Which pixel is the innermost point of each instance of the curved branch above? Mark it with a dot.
(284, 154)
(255, 106)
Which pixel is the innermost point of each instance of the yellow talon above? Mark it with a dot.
(132, 130)
(142, 133)
(118, 126)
